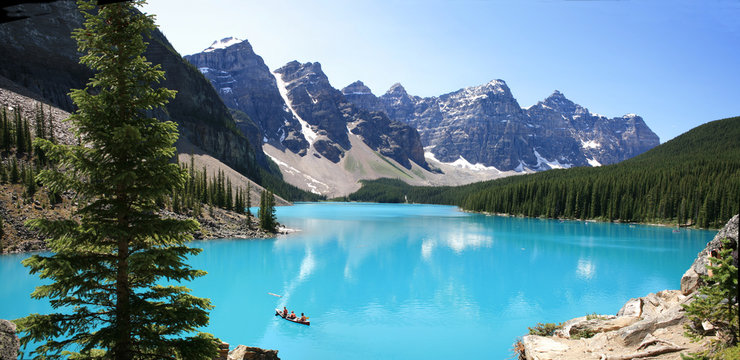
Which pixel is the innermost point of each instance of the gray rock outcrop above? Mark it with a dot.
(691, 279)
(9, 343)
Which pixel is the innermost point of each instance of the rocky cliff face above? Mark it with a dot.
(330, 114)
(39, 55)
(317, 104)
(297, 109)
(244, 82)
(485, 124)
(599, 139)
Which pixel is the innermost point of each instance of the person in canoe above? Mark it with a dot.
(303, 318)
(285, 311)
(292, 315)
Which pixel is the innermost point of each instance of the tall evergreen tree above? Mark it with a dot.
(249, 205)
(30, 182)
(20, 141)
(267, 211)
(3, 173)
(14, 174)
(108, 261)
(4, 131)
(229, 205)
(717, 301)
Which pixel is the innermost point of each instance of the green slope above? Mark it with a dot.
(693, 179)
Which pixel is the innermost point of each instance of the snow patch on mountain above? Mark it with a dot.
(223, 43)
(591, 144)
(555, 164)
(462, 163)
(593, 162)
(306, 129)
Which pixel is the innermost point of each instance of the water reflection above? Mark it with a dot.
(586, 269)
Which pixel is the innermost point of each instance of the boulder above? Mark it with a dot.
(656, 304)
(9, 343)
(635, 333)
(542, 348)
(243, 352)
(659, 310)
(691, 280)
(633, 308)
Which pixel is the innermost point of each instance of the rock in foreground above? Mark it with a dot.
(9, 343)
(691, 280)
(647, 327)
(243, 352)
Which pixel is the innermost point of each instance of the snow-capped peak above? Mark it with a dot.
(223, 43)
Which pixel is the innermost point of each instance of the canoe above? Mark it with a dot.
(279, 312)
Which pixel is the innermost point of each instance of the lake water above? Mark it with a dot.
(413, 281)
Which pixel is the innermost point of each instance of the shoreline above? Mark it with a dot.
(649, 326)
(658, 224)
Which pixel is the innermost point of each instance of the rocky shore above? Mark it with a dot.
(215, 223)
(647, 327)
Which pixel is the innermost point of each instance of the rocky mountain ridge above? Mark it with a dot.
(485, 125)
(297, 108)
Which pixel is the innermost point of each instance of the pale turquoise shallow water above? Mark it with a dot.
(414, 281)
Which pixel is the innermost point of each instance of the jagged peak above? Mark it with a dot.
(397, 89)
(224, 43)
(295, 65)
(497, 83)
(357, 88)
(557, 95)
(559, 102)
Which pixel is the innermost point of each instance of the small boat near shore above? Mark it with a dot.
(279, 312)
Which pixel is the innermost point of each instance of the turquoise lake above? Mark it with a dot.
(386, 281)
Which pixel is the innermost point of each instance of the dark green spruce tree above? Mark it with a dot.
(249, 205)
(717, 303)
(268, 222)
(108, 263)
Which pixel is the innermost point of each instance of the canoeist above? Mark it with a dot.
(285, 311)
(292, 315)
(303, 318)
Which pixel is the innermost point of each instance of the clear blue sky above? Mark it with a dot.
(676, 63)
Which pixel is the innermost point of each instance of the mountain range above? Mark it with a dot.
(480, 129)
(485, 125)
(291, 125)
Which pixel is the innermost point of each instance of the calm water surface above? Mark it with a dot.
(413, 281)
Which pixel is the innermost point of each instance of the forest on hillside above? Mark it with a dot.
(692, 180)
